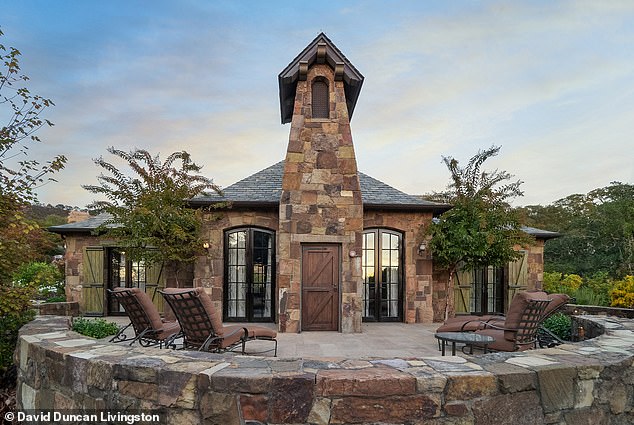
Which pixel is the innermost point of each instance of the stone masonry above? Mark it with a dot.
(321, 200)
(585, 383)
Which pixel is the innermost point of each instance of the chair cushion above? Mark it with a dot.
(516, 310)
(261, 332)
(231, 335)
(146, 304)
(557, 301)
(501, 343)
(169, 329)
(214, 315)
(467, 323)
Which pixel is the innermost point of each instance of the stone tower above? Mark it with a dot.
(321, 211)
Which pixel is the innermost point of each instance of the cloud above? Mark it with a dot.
(550, 82)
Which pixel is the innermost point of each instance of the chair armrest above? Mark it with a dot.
(482, 323)
(492, 325)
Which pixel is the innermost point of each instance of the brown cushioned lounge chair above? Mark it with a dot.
(148, 326)
(519, 331)
(471, 322)
(202, 325)
(509, 322)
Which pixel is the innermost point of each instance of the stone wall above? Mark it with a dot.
(417, 303)
(74, 259)
(321, 200)
(209, 269)
(586, 383)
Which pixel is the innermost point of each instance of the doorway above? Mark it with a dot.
(382, 264)
(320, 287)
(125, 273)
(249, 275)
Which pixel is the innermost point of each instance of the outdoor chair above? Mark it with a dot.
(471, 322)
(148, 326)
(202, 325)
(519, 331)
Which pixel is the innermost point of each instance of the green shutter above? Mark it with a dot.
(155, 282)
(462, 291)
(518, 276)
(93, 285)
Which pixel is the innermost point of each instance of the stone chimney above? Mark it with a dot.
(77, 216)
(321, 212)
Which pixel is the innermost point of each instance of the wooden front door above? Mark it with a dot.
(320, 288)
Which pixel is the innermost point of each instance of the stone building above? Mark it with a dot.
(309, 243)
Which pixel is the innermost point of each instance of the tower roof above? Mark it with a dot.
(320, 50)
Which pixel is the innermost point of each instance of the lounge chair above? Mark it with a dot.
(519, 331)
(471, 323)
(202, 325)
(148, 326)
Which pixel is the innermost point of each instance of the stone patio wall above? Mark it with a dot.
(591, 382)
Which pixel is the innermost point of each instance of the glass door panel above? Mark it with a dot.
(382, 275)
(249, 275)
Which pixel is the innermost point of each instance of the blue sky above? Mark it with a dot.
(552, 82)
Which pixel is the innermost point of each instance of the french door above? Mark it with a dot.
(125, 273)
(249, 271)
(487, 290)
(382, 263)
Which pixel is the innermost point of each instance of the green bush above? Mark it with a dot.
(593, 290)
(15, 311)
(95, 328)
(560, 324)
(46, 277)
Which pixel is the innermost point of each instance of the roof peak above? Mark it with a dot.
(323, 50)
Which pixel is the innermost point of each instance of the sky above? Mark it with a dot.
(551, 82)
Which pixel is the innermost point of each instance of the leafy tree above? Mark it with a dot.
(481, 229)
(597, 231)
(150, 215)
(19, 177)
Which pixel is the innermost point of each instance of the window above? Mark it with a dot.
(487, 290)
(320, 98)
(381, 261)
(123, 272)
(249, 271)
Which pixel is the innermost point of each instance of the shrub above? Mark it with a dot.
(95, 328)
(572, 281)
(552, 282)
(560, 324)
(46, 277)
(601, 284)
(623, 293)
(593, 290)
(15, 311)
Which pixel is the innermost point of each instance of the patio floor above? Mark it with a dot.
(384, 340)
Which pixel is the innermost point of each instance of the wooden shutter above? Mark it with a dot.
(320, 101)
(155, 282)
(462, 291)
(518, 276)
(93, 285)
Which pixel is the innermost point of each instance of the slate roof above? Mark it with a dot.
(265, 188)
(85, 226)
(539, 233)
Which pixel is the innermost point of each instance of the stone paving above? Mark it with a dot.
(385, 340)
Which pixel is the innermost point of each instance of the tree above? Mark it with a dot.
(150, 215)
(597, 231)
(19, 177)
(481, 229)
